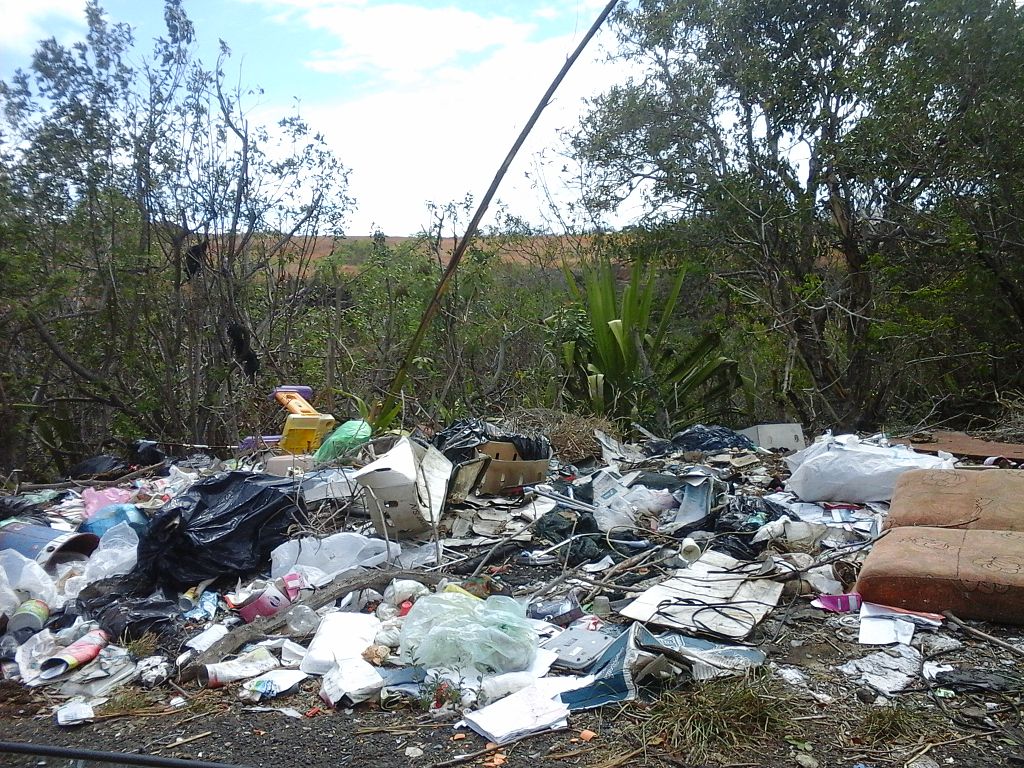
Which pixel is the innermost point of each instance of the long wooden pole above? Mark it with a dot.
(446, 278)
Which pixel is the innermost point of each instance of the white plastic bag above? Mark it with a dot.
(340, 636)
(390, 632)
(9, 601)
(844, 468)
(400, 590)
(320, 560)
(648, 501)
(352, 681)
(453, 630)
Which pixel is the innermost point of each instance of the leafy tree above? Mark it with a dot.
(801, 150)
(153, 240)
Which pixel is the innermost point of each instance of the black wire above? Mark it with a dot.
(719, 608)
(124, 758)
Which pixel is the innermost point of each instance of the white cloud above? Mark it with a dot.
(407, 144)
(395, 42)
(26, 23)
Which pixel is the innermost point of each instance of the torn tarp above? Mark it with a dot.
(638, 654)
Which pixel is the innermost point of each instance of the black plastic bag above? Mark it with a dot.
(459, 441)
(714, 438)
(126, 617)
(146, 453)
(743, 516)
(558, 525)
(224, 525)
(658, 446)
(99, 466)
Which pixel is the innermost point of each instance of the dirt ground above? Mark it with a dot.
(831, 720)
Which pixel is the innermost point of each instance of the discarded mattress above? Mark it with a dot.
(991, 499)
(975, 574)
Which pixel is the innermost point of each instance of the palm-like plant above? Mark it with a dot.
(620, 360)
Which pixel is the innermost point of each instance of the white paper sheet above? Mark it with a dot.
(527, 711)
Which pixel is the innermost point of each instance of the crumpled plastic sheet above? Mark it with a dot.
(713, 438)
(453, 630)
(744, 515)
(459, 441)
(22, 508)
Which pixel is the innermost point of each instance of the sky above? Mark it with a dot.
(421, 99)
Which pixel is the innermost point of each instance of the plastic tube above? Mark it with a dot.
(122, 758)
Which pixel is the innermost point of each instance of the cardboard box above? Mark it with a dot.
(405, 489)
(507, 470)
(775, 436)
(466, 478)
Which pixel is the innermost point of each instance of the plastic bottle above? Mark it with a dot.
(302, 620)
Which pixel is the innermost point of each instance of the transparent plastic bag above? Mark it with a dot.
(457, 631)
(116, 554)
(27, 578)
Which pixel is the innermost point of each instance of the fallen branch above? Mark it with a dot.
(566, 755)
(983, 635)
(190, 739)
(68, 484)
(922, 750)
(625, 565)
(338, 588)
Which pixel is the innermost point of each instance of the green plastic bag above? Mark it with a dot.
(343, 440)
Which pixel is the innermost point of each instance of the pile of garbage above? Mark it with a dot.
(471, 572)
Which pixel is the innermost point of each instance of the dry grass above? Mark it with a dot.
(720, 717)
(131, 699)
(144, 646)
(894, 725)
(205, 701)
(571, 435)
